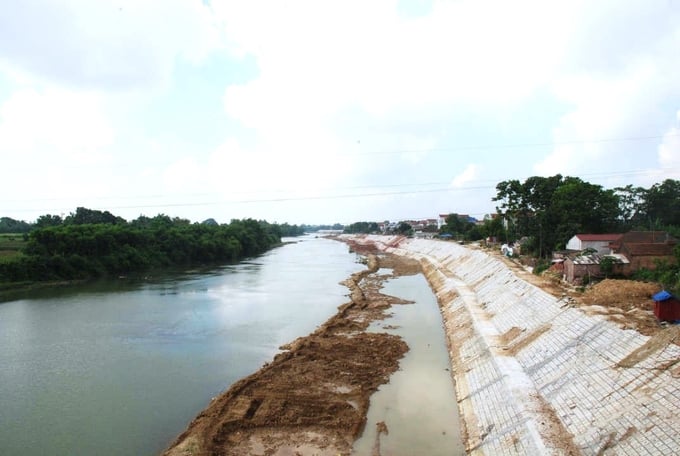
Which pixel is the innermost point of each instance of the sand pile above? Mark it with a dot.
(623, 294)
(627, 303)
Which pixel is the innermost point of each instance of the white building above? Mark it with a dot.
(599, 242)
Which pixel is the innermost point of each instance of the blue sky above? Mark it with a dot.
(323, 112)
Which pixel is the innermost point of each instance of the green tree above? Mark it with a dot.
(580, 207)
(404, 228)
(84, 216)
(48, 220)
(9, 225)
(549, 210)
(361, 228)
(662, 204)
(493, 227)
(461, 228)
(87, 250)
(526, 205)
(607, 265)
(455, 224)
(631, 205)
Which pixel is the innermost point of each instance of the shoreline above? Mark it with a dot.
(534, 374)
(313, 397)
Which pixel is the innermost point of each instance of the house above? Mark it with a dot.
(634, 250)
(666, 306)
(645, 237)
(441, 221)
(578, 267)
(599, 242)
(645, 248)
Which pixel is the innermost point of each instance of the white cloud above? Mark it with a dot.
(106, 44)
(315, 58)
(669, 150)
(614, 91)
(341, 90)
(469, 174)
(51, 139)
(64, 123)
(601, 111)
(233, 173)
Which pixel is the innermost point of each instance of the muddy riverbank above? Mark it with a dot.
(314, 396)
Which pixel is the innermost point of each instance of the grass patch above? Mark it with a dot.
(11, 245)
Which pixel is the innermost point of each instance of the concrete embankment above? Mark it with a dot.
(535, 375)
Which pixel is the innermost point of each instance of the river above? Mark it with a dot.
(121, 367)
(418, 404)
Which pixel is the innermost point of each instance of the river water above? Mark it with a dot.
(418, 404)
(121, 367)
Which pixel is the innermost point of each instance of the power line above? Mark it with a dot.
(518, 145)
(433, 150)
(448, 188)
(277, 200)
(632, 172)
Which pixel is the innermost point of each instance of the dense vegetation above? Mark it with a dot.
(545, 212)
(550, 210)
(11, 245)
(461, 228)
(9, 225)
(91, 243)
(362, 228)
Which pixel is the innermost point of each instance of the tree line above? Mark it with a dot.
(550, 210)
(9, 225)
(545, 212)
(90, 243)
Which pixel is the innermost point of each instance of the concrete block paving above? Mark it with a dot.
(532, 364)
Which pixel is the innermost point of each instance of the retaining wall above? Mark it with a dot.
(535, 375)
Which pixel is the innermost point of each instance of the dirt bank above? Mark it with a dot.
(628, 303)
(313, 397)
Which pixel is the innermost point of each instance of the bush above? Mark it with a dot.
(541, 265)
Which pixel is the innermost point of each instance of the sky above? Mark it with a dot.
(320, 112)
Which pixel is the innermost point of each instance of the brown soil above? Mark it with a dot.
(628, 303)
(313, 397)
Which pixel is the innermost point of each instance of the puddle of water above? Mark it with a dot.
(418, 406)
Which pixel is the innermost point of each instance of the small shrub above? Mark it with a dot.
(541, 265)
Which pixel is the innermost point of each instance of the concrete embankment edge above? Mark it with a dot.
(534, 375)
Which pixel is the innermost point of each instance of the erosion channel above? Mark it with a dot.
(315, 396)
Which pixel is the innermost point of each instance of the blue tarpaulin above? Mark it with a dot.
(662, 296)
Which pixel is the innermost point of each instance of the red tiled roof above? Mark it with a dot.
(599, 237)
(646, 249)
(640, 237)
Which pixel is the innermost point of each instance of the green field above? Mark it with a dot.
(11, 245)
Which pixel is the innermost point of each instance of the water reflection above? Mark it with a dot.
(120, 367)
(418, 406)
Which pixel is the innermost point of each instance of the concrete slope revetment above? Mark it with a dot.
(535, 375)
